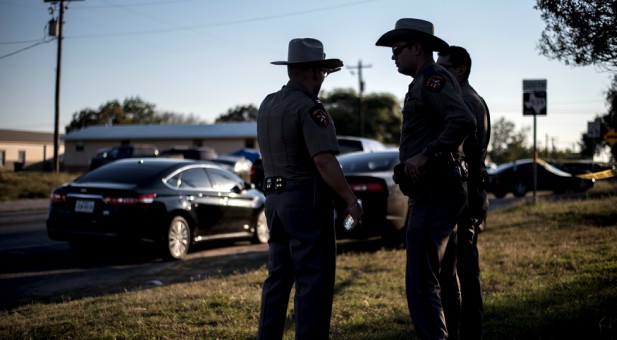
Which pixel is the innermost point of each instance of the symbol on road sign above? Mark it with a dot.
(534, 97)
(611, 137)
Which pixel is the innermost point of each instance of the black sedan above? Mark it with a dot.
(517, 177)
(369, 175)
(171, 203)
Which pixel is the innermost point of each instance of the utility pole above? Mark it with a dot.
(361, 100)
(58, 34)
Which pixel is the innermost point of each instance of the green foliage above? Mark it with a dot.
(30, 184)
(243, 113)
(381, 117)
(133, 110)
(506, 143)
(580, 32)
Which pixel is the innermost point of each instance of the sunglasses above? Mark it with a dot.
(397, 49)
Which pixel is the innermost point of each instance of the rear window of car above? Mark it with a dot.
(368, 162)
(126, 173)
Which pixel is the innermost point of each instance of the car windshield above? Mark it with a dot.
(126, 172)
(368, 162)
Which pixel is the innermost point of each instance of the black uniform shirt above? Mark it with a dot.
(434, 114)
(292, 127)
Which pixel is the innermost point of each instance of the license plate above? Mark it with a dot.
(84, 206)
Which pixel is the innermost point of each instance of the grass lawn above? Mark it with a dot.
(549, 271)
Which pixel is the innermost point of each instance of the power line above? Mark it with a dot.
(26, 48)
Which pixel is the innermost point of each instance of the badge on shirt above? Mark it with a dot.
(435, 83)
(320, 117)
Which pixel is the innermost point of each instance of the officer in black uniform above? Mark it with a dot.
(435, 124)
(298, 142)
(457, 60)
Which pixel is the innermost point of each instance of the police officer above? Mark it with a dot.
(435, 124)
(457, 60)
(298, 142)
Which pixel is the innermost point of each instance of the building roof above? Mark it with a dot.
(26, 136)
(165, 131)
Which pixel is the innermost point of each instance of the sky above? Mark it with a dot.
(204, 57)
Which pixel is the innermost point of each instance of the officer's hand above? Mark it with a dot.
(413, 165)
(355, 210)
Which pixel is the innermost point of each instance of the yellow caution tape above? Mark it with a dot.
(599, 175)
(594, 175)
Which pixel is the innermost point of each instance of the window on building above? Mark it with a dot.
(79, 146)
(249, 143)
(2, 157)
(21, 156)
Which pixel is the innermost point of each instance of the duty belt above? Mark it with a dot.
(281, 184)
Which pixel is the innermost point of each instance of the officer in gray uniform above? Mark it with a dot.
(457, 60)
(435, 124)
(298, 142)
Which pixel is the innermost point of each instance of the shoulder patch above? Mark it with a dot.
(435, 83)
(320, 117)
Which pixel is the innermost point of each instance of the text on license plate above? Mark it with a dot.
(84, 206)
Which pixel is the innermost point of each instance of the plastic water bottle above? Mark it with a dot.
(348, 222)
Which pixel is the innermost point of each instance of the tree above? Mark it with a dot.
(580, 32)
(243, 113)
(382, 115)
(592, 146)
(507, 144)
(133, 110)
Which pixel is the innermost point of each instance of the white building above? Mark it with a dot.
(82, 145)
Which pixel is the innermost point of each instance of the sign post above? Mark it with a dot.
(534, 104)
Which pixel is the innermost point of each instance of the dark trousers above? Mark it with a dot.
(432, 220)
(302, 250)
(468, 268)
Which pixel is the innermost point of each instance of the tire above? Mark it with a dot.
(520, 189)
(177, 240)
(499, 193)
(262, 233)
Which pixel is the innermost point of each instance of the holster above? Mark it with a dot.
(402, 180)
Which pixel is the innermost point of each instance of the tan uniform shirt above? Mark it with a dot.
(434, 114)
(292, 127)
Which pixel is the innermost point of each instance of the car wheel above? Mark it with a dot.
(177, 239)
(499, 193)
(262, 233)
(520, 189)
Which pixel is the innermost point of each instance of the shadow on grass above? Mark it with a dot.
(582, 309)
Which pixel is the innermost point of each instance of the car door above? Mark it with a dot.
(238, 207)
(195, 189)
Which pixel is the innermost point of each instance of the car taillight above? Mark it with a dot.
(367, 187)
(57, 197)
(130, 200)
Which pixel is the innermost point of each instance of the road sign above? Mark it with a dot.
(611, 137)
(534, 97)
(593, 129)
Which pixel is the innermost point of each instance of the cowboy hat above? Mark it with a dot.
(412, 29)
(308, 51)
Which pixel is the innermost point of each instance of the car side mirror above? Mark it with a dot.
(236, 189)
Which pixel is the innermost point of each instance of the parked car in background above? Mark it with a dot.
(172, 203)
(190, 152)
(108, 155)
(238, 164)
(517, 177)
(349, 144)
(369, 175)
(581, 166)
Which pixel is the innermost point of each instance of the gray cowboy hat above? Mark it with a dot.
(409, 29)
(308, 51)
